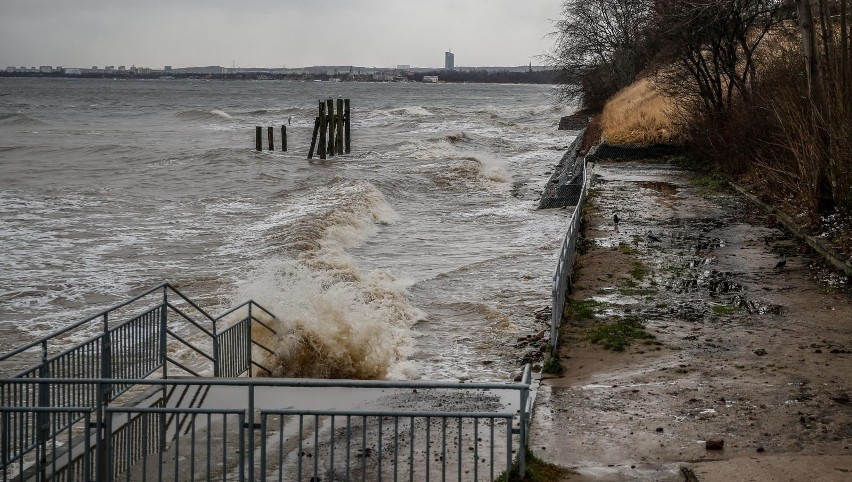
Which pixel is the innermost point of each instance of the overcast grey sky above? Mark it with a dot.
(273, 33)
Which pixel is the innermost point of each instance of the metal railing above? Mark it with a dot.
(565, 264)
(127, 343)
(252, 438)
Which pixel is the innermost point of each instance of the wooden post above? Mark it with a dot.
(331, 125)
(314, 138)
(271, 134)
(284, 138)
(258, 138)
(339, 139)
(323, 126)
(346, 126)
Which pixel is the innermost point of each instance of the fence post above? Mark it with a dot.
(164, 310)
(248, 338)
(104, 433)
(522, 436)
(346, 125)
(270, 132)
(106, 358)
(323, 126)
(258, 138)
(107, 450)
(43, 418)
(508, 447)
(251, 435)
(217, 360)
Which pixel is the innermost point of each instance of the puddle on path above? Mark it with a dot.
(661, 187)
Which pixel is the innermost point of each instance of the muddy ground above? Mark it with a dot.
(758, 357)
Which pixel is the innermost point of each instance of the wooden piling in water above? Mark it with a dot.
(271, 134)
(283, 138)
(339, 139)
(346, 126)
(314, 138)
(258, 138)
(323, 126)
(331, 126)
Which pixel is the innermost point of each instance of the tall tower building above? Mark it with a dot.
(449, 60)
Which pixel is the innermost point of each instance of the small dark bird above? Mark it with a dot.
(615, 218)
(653, 238)
(780, 265)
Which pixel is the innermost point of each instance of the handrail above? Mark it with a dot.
(276, 382)
(48, 343)
(179, 365)
(62, 331)
(264, 347)
(564, 264)
(261, 323)
(189, 319)
(250, 303)
(380, 413)
(191, 303)
(189, 345)
(262, 308)
(71, 349)
(232, 310)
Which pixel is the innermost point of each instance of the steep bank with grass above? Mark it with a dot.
(640, 114)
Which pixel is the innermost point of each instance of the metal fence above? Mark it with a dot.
(250, 437)
(125, 342)
(564, 267)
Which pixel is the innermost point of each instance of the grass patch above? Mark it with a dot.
(620, 333)
(537, 470)
(723, 310)
(592, 194)
(629, 287)
(638, 270)
(584, 244)
(578, 310)
(625, 248)
(711, 182)
(552, 365)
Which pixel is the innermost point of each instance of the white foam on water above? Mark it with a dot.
(334, 319)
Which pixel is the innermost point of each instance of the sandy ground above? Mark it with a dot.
(758, 357)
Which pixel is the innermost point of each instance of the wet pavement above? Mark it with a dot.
(757, 356)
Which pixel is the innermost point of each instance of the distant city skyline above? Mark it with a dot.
(274, 34)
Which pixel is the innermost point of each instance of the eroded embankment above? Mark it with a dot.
(741, 351)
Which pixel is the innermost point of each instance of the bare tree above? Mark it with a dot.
(600, 47)
(708, 47)
(824, 26)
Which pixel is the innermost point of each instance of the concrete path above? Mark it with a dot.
(757, 357)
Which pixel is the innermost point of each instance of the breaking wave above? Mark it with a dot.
(19, 119)
(198, 114)
(335, 319)
(415, 111)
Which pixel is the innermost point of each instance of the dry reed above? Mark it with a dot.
(640, 114)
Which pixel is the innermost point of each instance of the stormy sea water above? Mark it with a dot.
(419, 255)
